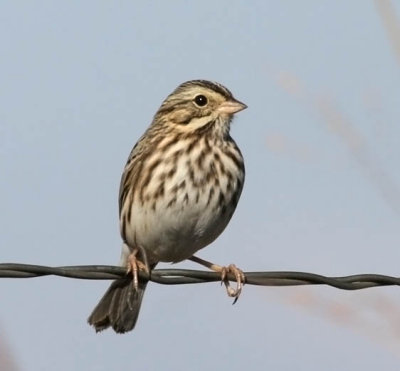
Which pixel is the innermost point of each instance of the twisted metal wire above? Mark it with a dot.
(186, 276)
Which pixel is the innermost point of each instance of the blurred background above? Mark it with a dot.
(80, 82)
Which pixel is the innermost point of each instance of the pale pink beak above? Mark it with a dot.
(231, 107)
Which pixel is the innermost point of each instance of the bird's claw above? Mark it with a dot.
(240, 280)
(133, 266)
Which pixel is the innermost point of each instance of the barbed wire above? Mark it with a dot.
(188, 276)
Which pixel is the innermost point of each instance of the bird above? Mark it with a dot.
(178, 191)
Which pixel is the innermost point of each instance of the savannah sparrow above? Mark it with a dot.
(179, 189)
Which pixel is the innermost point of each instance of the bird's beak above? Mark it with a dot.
(231, 107)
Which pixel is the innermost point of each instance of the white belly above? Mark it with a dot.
(174, 233)
(175, 216)
(182, 221)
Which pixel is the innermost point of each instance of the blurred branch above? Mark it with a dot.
(361, 152)
(349, 135)
(391, 24)
(7, 360)
(185, 276)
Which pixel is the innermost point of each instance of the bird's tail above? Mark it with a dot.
(119, 307)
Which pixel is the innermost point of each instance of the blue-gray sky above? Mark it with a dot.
(80, 82)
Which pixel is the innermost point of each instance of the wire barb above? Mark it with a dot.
(186, 276)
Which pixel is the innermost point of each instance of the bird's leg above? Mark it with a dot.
(231, 268)
(134, 265)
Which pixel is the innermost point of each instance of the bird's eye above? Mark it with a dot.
(200, 100)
